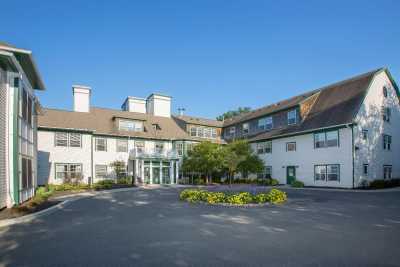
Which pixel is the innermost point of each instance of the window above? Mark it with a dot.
(387, 142)
(159, 147)
(26, 173)
(193, 131)
(291, 146)
(66, 171)
(101, 171)
(122, 145)
(365, 134)
(179, 149)
(266, 173)
(61, 139)
(139, 145)
(128, 125)
(75, 140)
(68, 139)
(385, 91)
(264, 147)
(245, 128)
(101, 144)
(292, 117)
(365, 169)
(200, 132)
(326, 139)
(232, 131)
(265, 123)
(386, 114)
(213, 132)
(387, 171)
(329, 172)
(207, 132)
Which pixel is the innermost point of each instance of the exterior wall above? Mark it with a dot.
(371, 151)
(306, 157)
(279, 120)
(3, 138)
(135, 105)
(49, 155)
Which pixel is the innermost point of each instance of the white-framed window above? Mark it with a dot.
(245, 128)
(26, 173)
(214, 133)
(101, 144)
(387, 142)
(207, 132)
(75, 140)
(159, 147)
(365, 169)
(292, 117)
(66, 171)
(291, 146)
(266, 173)
(385, 91)
(232, 131)
(131, 125)
(265, 123)
(193, 131)
(122, 145)
(101, 171)
(264, 147)
(61, 139)
(179, 149)
(139, 145)
(327, 172)
(68, 139)
(364, 134)
(386, 114)
(326, 139)
(387, 171)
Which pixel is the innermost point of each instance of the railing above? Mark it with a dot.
(153, 153)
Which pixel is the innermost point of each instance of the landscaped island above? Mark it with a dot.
(274, 196)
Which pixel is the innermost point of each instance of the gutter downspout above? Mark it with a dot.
(91, 159)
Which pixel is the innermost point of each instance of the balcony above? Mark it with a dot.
(145, 153)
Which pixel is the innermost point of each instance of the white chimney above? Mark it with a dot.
(134, 104)
(81, 98)
(159, 105)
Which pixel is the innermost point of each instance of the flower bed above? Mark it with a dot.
(274, 196)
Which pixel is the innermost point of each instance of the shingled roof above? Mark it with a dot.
(336, 104)
(199, 121)
(102, 121)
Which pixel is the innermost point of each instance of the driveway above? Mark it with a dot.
(151, 227)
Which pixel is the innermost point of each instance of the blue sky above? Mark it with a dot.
(210, 56)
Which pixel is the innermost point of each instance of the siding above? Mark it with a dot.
(371, 151)
(3, 140)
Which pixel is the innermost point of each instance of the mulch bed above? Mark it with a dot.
(25, 209)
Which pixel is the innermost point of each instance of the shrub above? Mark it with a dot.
(125, 180)
(103, 184)
(193, 195)
(241, 198)
(297, 184)
(377, 184)
(261, 198)
(264, 182)
(274, 181)
(277, 196)
(216, 197)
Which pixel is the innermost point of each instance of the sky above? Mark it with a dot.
(209, 55)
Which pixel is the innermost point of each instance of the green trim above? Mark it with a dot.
(16, 166)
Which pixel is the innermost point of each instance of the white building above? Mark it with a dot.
(83, 143)
(18, 123)
(341, 135)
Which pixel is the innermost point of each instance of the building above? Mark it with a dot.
(19, 106)
(82, 144)
(336, 136)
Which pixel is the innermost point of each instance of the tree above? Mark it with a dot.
(238, 157)
(232, 113)
(204, 158)
(119, 168)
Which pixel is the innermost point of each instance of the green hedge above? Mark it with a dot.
(195, 195)
(297, 184)
(380, 184)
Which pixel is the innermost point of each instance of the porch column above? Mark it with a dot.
(151, 172)
(137, 171)
(171, 171)
(161, 176)
(177, 172)
(142, 170)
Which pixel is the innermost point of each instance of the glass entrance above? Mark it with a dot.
(156, 172)
(166, 173)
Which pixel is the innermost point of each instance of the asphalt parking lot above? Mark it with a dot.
(151, 227)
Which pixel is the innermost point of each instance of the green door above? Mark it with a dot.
(290, 174)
